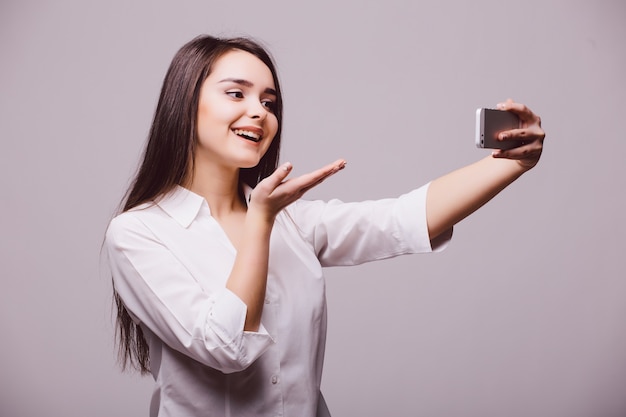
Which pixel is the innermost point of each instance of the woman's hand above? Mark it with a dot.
(530, 132)
(275, 193)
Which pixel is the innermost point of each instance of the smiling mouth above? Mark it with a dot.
(247, 134)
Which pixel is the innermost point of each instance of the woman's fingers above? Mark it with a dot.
(276, 192)
(278, 176)
(525, 135)
(523, 112)
(530, 133)
(305, 182)
(294, 188)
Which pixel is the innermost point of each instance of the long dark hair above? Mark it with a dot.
(169, 154)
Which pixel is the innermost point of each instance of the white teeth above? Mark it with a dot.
(247, 134)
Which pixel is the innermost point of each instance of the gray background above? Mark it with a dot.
(524, 314)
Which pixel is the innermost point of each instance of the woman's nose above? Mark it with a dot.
(256, 110)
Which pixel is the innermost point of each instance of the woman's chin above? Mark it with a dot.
(248, 165)
(251, 163)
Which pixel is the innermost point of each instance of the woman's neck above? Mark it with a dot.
(219, 187)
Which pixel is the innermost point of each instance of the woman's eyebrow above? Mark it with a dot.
(246, 83)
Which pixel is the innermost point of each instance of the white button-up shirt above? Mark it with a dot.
(170, 261)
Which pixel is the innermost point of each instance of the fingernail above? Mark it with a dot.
(503, 136)
(287, 166)
(500, 106)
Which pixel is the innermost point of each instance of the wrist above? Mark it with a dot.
(522, 165)
(507, 167)
(258, 219)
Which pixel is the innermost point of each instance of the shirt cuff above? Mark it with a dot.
(226, 320)
(411, 211)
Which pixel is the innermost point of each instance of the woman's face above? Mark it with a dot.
(235, 122)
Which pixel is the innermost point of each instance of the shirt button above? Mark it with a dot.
(274, 379)
(267, 301)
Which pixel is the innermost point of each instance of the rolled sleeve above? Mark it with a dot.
(411, 217)
(225, 320)
(203, 323)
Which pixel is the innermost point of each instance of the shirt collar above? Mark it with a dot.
(183, 205)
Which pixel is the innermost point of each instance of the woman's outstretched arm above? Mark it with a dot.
(458, 194)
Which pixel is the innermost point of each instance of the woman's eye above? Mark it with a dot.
(235, 94)
(269, 104)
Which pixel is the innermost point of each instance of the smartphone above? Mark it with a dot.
(489, 123)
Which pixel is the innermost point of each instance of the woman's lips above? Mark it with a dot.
(252, 133)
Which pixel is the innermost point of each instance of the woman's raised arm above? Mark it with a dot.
(456, 195)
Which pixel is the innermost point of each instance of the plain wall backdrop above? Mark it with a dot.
(523, 315)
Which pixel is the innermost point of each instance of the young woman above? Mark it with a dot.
(217, 262)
